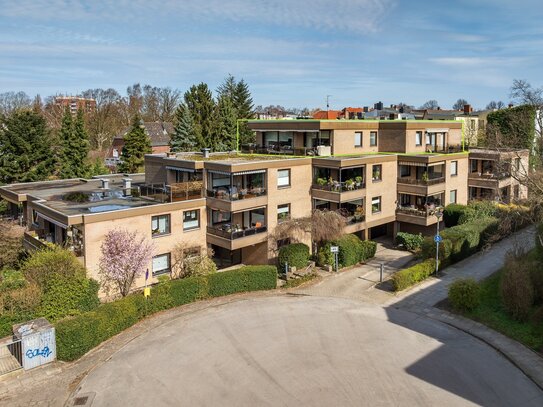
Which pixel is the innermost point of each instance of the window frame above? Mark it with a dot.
(374, 142)
(289, 178)
(373, 179)
(418, 138)
(455, 196)
(169, 225)
(361, 135)
(373, 212)
(455, 165)
(287, 205)
(197, 212)
(162, 271)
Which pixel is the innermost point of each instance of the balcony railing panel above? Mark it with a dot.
(490, 175)
(414, 211)
(273, 149)
(337, 186)
(226, 195)
(416, 181)
(231, 232)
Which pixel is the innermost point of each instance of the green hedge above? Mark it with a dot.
(414, 274)
(352, 251)
(410, 241)
(79, 334)
(452, 213)
(460, 241)
(296, 255)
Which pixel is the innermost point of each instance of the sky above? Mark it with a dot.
(290, 52)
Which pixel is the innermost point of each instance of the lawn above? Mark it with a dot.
(492, 313)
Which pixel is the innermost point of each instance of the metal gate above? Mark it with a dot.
(11, 356)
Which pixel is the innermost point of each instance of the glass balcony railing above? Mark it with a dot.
(234, 194)
(420, 181)
(336, 186)
(232, 232)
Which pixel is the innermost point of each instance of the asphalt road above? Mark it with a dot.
(307, 351)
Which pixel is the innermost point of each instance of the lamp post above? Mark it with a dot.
(438, 212)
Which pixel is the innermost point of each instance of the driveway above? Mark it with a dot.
(306, 351)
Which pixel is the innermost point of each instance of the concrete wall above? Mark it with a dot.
(343, 141)
(386, 189)
(458, 182)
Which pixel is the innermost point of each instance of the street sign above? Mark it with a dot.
(437, 238)
(334, 249)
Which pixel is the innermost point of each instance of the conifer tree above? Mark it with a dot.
(225, 125)
(74, 143)
(239, 94)
(25, 148)
(183, 137)
(201, 105)
(136, 144)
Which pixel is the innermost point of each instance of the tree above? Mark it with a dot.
(25, 148)
(527, 95)
(225, 126)
(124, 257)
(240, 96)
(190, 261)
(74, 143)
(459, 104)
(431, 104)
(136, 144)
(13, 101)
(183, 137)
(494, 105)
(11, 243)
(201, 105)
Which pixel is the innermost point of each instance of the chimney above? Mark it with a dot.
(171, 154)
(378, 106)
(467, 109)
(366, 109)
(510, 105)
(105, 183)
(127, 186)
(205, 152)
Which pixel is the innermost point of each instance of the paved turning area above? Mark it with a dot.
(306, 351)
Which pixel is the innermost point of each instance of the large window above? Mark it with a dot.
(452, 196)
(418, 138)
(161, 264)
(373, 138)
(191, 219)
(283, 212)
(473, 166)
(358, 139)
(283, 178)
(160, 225)
(376, 204)
(405, 170)
(454, 168)
(376, 174)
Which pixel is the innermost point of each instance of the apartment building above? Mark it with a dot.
(74, 103)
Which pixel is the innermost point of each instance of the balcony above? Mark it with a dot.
(233, 194)
(33, 241)
(420, 181)
(278, 150)
(232, 232)
(336, 186)
(233, 237)
(176, 192)
(415, 215)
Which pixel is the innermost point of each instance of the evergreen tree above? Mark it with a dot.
(25, 148)
(74, 143)
(183, 137)
(201, 105)
(225, 125)
(239, 94)
(136, 144)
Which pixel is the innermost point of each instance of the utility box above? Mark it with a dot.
(38, 342)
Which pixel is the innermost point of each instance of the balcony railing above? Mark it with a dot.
(232, 232)
(407, 210)
(417, 181)
(226, 194)
(280, 150)
(337, 186)
(182, 191)
(490, 175)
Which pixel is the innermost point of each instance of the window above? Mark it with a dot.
(161, 264)
(517, 164)
(283, 212)
(452, 196)
(35, 219)
(283, 242)
(418, 138)
(376, 205)
(160, 225)
(516, 191)
(373, 138)
(358, 139)
(473, 166)
(283, 178)
(454, 168)
(376, 172)
(405, 171)
(191, 219)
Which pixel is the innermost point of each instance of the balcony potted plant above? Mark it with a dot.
(358, 181)
(349, 184)
(359, 214)
(321, 182)
(377, 175)
(425, 177)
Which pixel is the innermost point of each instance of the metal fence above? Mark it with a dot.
(11, 356)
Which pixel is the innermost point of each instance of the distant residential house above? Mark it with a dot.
(158, 132)
(327, 114)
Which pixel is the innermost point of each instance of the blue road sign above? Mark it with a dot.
(437, 238)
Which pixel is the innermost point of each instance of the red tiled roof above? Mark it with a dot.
(353, 109)
(326, 114)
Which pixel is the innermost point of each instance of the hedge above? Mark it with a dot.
(414, 274)
(463, 294)
(452, 213)
(296, 255)
(77, 335)
(352, 251)
(410, 241)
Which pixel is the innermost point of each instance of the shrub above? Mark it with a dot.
(412, 275)
(248, 278)
(410, 241)
(296, 255)
(199, 266)
(352, 251)
(369, 247)
(464, 294)
(188, 290)
(516, 290)
(539, 241)
(324, 256)
(452, 213)
(536, 277)
(11, 243)
(11, 279)
(20, 300)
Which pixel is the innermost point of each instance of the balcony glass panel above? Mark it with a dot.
(237, 187)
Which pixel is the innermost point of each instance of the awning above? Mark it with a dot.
(53, 221)
(180, 169)
(412, 163)
(249, 172)
(437, 163)
(437, 130)
(219, 172)
(288, 131)
(250, 209)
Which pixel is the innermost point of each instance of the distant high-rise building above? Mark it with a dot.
(74, 103)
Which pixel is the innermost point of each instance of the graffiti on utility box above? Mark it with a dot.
(32, 353)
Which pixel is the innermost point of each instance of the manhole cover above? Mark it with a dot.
(81, 401)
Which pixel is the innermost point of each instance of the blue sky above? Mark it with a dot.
(291, 52)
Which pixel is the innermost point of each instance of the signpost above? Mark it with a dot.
(437, 238)
(335, 250)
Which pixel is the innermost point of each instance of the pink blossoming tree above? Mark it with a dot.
(125, 256)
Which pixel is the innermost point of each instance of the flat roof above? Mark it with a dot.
(232, 157)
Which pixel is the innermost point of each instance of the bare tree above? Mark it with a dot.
(168, 102)
(13, 101)
(430, 104)
(459, 104)
(495, 105)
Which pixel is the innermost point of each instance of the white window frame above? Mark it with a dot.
(373, 140)
(376, 200)
(283, 181)
(161, 258)
(158, 220)
(455, 196)
(418, 138)
(454, 168)
(283, 208)
(194, 223)
(358, 138)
